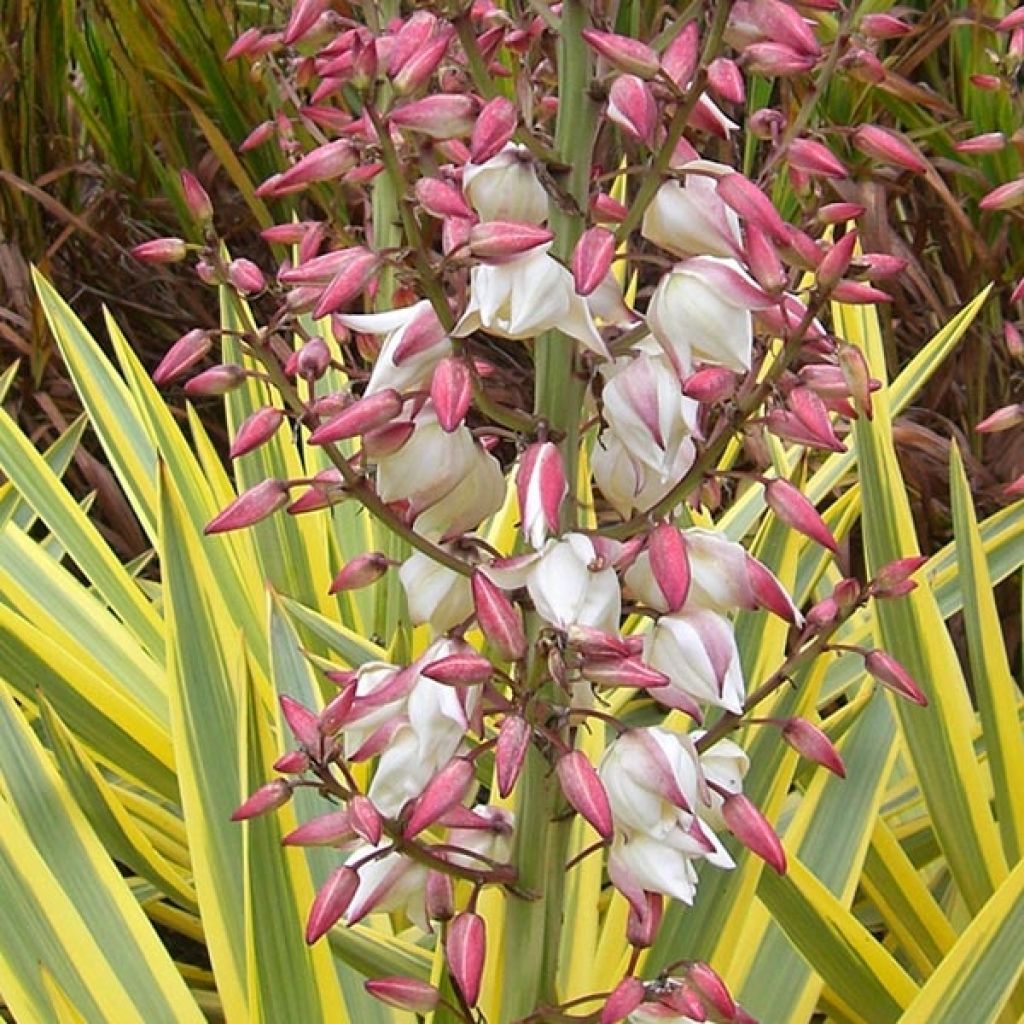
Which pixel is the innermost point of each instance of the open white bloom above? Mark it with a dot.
(479, 494)
(391, 882)
(689, 219)
(506, 187)
(700, 311)
(696, 649)
(434, 593)
(526, 296)
(628, 485)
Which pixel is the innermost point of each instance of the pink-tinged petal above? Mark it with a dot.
(840, 213)
(813, 414)
(495, 125)
(360, 572)
(336, 711)
(331, 901)
(631, 105)
(752, 829)
(796, 511)
(292, 762)
(366, 819)
(726, 80)
(858, 293)
(712, 989)
(763, 260)
(626, 54)
(711, 384)
(441, 116)
(499, 619)
(541, 488)
(185, 353)
(444, 791)
(439, 896)
(440, 199)
(259, 428)
(583, 789)
(605, 208)
(642, 925)
(304, 15)
(497, 241)
(670, 564)
(463, 668)
(747, 200)
(363, 415)
(596, 643)
(810, 742)
(891, 674)
(250, 507)
(451, 391)
(592, 258)
(510, 751)
(889, 147)
(776, 59)
(679, 61)
(624, 999)
(409, 994)
(267, 798)
(331, 829)
(465, 951)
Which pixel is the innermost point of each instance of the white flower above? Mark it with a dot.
(493, 842)
(479, 494)
(506, 187)
(626, 483)
(434, 593)
(526, 296)
(391, 882)
(725, 764)
(689, 219)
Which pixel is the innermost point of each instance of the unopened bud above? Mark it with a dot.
(712, 989)
(360, 572)
(642, 926)
(1005, 197)
(631, 105)
(409, 994)
(186, 352)
(442, 793)
(267, 798)
(330, 829)
(196, 198)
(250, 507)
(451, 391)
(891, 674)
(440, 199)
(711, 384)
(416, 71)
(679, 61)
(331, 901)
(440, 896)
(815, 159)
(624, 999)
(839, 213)
(463, 668)
(592, 258)
(884, 26)
(161, 250)
(303, 723)
(889, 147)
(752, 829)
(465, 950)
(834, 263)
(747, 200)
(442, 116)
(366, 819)
(361, 416)
(670, 564)
(585, 792)
(259, 428)
(336, 711)
(796, 511)
(510, 751)
(499, 619)
(498, 241)
(989, 142)
(292, 762)
(495, 125)
(809, 741)
(623, 52)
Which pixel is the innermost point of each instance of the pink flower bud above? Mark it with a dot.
(442, 116)
(670, 564)
(510, 751)
(1015, 488)
(1006, 418)
(304, 15)
(767, 123)
(336, 712)
(1005, 197)
(642, 928)
(451, 391)
(763, 260)
(824, 613)
(813, 415)
(796, 511)
(743, 196)
(246, 277)
(752, 829)
(881, 265)
(196, 198)
(839, 213)
(891, 674)
(267, 798)
(409, 994)
(464, 668)
(989, 142)
(809, 741)
(863, 66)
(775, 59)
(440, 199)
(384, 441)
(189, 349)
(244, 44)
(631, 105)
(366, 819)
(889, 147)
(303, 723)
(347, 283)
(857, 377)
(361, 416)
(495, 125)
(313, 359)
(263, 132)
(497, 241)
(679, 61)
(709, 985)
(606, 209)
(884, 26)
(439, 896)
(624, 53)
(897, 574)
(858, 293)
(583, 789)
(541, 488)
(325, 163)
(595, 643)
(990, 83)
(592, 258)
(416, 71)
(410, 37)
(161, 250)
(252, 506)
(835, 262)
(465, 950)
(259, 428)
(712, 384)
(624, 999)
(442, 793)
(1012, 21)
(331, 829)
(499, 619)
(622, 671)
(769, 593)
(816, 159)
(360, 572)
(292, 762)
(331, 901)
(726, 80)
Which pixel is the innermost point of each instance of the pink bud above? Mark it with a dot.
(244, 44)
(767, 123)
(495, 125)
(622, 671)
(331, 901)
(989, 142)
(642, 928)
(752, 829)
(726, 80)
(326, 162)
(1012, 21)
(366, 819)
(267, 798)
(816, 159)
(410, 37)
(631, 105)
(416, 71)
(464, 668)
(595, 643)
(465, 950)
(884, 26)
(313, 359)
(442, 116)
(263, 132)
(541, 488)
(881, 265)
(624, 53)
(897, 573)
(796, 511)
(384, 441)
(775, 59)
(161, 250)
(347, 283)
(835, 262)
(252, 506)
(196, 198)
(439, 897)
(444, 791)
(679, 61)
(303, 723)
(188, 350)
(743, 196)
(813, 415)
(763, 260)
(809, 741)
(424, 331)
(360, 572)
(451, 391)
(592, 258)
(441, 199)
(246, 277)
(336, 711)
(670, 564)
(857, 293)
(362, 415)
(259, 428)
(510, 751)
(889, 147)
(331, 829)
(711, 989)
(839, 213)
(712, 384)
(990, 83)
(624, 999)
(292, 762)
(498, 241)
(583, 789)
(304, 15)
(890, 673)
(1015, 488)
(408, 994)
(1005, 197)
(768, 591)
(606, 209)
(857, 377)
(499, 619)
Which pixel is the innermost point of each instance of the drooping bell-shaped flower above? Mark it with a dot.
(689, 219)
(390, 882)
(629, 485)
(506, 187)
(434, 593)
(479, 494)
